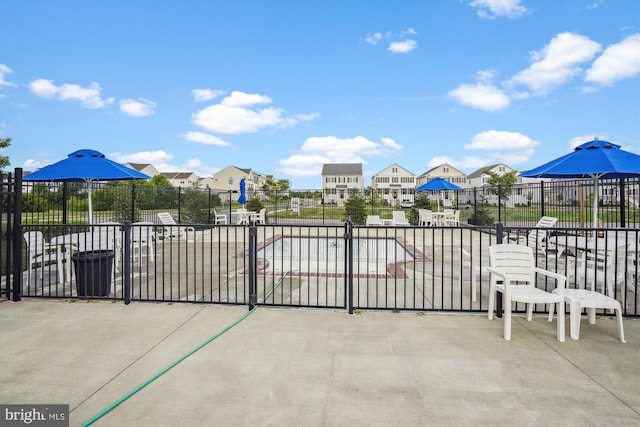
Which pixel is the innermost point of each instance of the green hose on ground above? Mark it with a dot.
(172, 365)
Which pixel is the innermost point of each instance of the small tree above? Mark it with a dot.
(4, 160)
(276, 190)
(355, 208)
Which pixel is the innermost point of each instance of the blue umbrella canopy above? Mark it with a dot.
(594, 159)
(438, 184)
(243, 195)
(85, 166)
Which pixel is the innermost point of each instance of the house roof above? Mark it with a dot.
(482, 170)
(178, 175)
(342, 169)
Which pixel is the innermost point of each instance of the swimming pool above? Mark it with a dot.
(326, 255)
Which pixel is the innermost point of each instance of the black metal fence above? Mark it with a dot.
(571, 201)
(310, 252)
(349, 267)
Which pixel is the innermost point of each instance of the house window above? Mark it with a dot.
(230, 180)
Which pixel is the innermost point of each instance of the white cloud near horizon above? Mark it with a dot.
(511, 148)
(239, 113)
(137, 107)
(618, 61)
(491, 9)
(89, 96)
(330, 149)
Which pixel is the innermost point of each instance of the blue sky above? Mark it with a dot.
(284, 86)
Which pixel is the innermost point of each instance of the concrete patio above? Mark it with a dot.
(293, 367)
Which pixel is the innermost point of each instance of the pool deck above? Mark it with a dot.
(305, 367)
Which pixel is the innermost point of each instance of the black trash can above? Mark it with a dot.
(93, 272)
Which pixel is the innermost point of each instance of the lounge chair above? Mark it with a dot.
(374, 220)
(425, 217)
(41, 253)
(399, 219)
(172, 229)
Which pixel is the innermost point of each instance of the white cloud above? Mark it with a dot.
(501, 140)
(238, 114)
(204, 138)
(137, 108)
(200, 95)
(373, 38)
(618, 61)
(89, 96)
(490, 9)
(481, 96)
(153, 157)
(402, 46)
(4, 70)
(557, 62)
(330, 149)
(398, 42)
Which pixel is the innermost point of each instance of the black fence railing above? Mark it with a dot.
(571, 201)
(347, 266)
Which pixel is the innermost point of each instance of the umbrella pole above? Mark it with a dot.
(90, 206)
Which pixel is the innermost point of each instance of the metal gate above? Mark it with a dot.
(10, 243)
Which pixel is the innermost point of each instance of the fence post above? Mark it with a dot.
(623, 203)
(253, 258)
(542, 198)
(17, 235)
(126, 261)
(499, 234)
(348, 264)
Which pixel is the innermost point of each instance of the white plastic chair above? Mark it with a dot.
(374, 220)
(425, 217)
(537, 238)
(172, 229)
(219, 217)
(451, 218)
(259, 217)
(40, 253)
(474, 270)
(513, 273)
(399, 219)
(142, 241)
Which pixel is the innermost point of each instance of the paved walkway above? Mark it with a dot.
(303, 367)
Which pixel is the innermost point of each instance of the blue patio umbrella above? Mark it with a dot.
(85, 166)
(594, 159)
(243, 195)
(438, 184)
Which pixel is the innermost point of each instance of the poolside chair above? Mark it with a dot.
(474, 271)
(172, 229)
(259, 217)
(373, 220)
(143, 239)
(425, 217)
(451, 217)
(399, 219)
(513, 273)
(537, 237)
(41, 253)
(219, 218)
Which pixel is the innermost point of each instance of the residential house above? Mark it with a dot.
(182, 179)
(145, 168)
(338, 179)
(394, 184)
(228, 180)
(446, 172)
